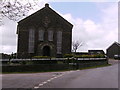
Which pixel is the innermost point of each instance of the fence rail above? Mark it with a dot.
(91, 58)
(56, 59)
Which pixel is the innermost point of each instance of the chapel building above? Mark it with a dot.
(44, 33)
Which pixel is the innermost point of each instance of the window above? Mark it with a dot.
(59, 50)
(59, 42)
(41, 35)
(50, 35)
(31, 41)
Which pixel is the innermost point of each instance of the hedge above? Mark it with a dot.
(91, 56)
(36, 68)
(53, 67)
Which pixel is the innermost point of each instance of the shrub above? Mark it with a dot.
(37, 57)
(90, 56)
(99, 56)
(29, 62)
(83, 56)
(68, 55)
(78, 56)
(22, 62)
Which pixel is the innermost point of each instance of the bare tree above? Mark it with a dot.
(15, 9)
(76, 45)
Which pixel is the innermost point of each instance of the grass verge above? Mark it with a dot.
(98, 66)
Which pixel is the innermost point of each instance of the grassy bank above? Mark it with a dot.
(98, 66)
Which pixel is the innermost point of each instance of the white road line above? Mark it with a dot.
(41, 84)
(71, 71)
(61, 75)
(67, 72)
(55, 77)
(36, 87)
(44, 82)
(58, 76)
(49, 80)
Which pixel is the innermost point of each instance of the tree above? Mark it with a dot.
(76, 45)
(15, 9)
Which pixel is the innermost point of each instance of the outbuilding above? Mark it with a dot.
(113, 50)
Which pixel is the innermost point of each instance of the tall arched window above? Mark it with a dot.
(31, 40)
(50, 35)
(41, 34)
(59, 42)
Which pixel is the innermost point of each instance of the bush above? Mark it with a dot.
(82, 56)
(36, 68)
(78, 56)
(90, 56)
(37, 57)
(30, 63)
(99, 56)
(68, 55)
(22, 62)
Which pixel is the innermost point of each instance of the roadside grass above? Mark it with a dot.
(91, 67)
(98, 66)
(113, 59)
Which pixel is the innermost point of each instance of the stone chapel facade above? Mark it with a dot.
(44, 33)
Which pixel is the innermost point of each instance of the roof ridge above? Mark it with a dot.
(46, 6)
(117, 43)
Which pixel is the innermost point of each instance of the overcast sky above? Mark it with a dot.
(95, 24)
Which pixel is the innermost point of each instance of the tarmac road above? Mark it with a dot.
(104, 77)
(25, 80)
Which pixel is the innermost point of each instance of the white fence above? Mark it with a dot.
(91, 58)
(39, 59)
(53, 59)
(4, 59)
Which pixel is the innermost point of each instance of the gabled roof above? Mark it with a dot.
(118, 44)
(115, 43)
(44, 8)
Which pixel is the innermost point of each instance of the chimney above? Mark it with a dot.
(46, 5)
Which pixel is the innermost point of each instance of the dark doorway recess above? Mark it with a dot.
(46, 51)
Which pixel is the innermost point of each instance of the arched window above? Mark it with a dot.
(31, 40)
(50, 35)
(41, 34)
(59, 42)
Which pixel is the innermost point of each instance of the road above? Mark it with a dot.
(104, 77)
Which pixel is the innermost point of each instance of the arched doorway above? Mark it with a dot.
(46, 51)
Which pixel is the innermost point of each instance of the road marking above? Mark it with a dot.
(71, 71)
(61, 75)
(55, 77)
(49, 80)
(44, 82)
(41, 84)
(36, 87)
